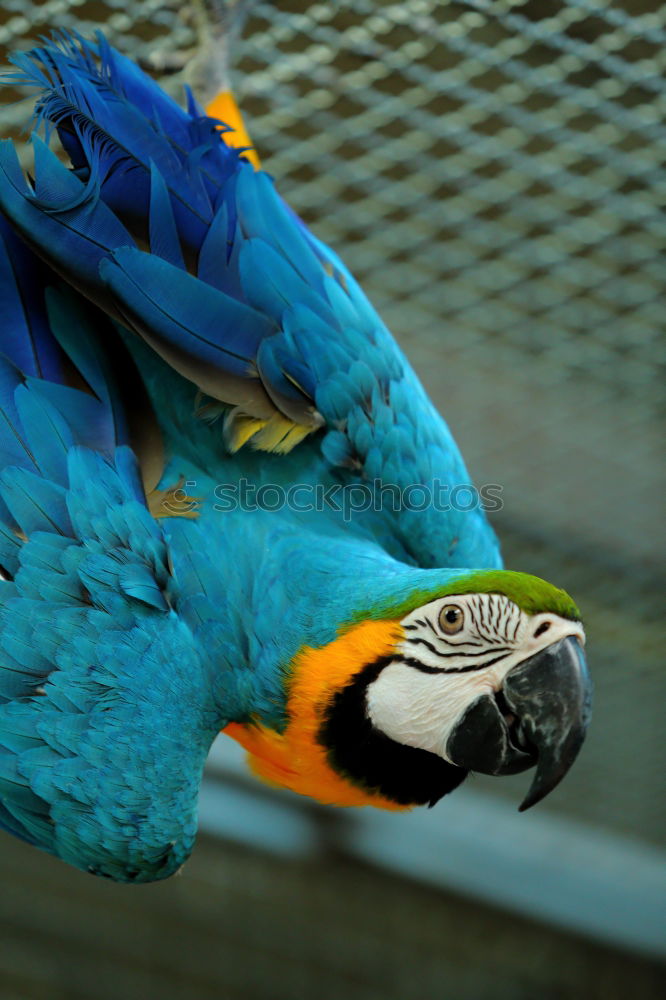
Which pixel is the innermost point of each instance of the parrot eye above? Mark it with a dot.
(451, 619)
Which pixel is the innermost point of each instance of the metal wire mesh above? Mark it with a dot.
(493, 173)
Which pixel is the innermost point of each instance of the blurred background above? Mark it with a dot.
(493, 173)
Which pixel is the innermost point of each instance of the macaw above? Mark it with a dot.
(176, 342)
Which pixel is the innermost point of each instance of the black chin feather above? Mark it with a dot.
(406, 775)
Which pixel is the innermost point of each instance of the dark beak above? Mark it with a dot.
(539, 717)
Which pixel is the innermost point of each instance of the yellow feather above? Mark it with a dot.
(239, 428)
(294, 436)
(279, 434)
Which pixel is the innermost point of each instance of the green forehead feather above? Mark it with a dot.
(530, 593)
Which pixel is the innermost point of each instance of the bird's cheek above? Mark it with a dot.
(419, 709)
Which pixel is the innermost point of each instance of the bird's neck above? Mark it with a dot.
(258, 592)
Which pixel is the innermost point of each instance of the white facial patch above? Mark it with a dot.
(442, 666)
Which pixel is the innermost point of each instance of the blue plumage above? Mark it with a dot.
(84, 564)
(131, 635)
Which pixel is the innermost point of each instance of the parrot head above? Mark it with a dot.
(486, 674)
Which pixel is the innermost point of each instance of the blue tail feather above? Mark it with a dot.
(145, 169)
(112, 118)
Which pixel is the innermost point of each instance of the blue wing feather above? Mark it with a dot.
(173, 304)
(164, 241)
(31, 349)
(37, 504)
(49, 432)
(70, 226)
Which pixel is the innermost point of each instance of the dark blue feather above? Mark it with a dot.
(163, 232)
(112, 118)
(81, 333)
(72, 229)
(13, 448)
(173, 309)
(22, 277)
(218, 257)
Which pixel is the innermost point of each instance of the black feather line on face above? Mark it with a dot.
(406, 775)
(427, 669)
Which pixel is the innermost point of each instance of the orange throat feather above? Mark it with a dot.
(295, 758)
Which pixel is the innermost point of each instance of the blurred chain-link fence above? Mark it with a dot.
(493, 172)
